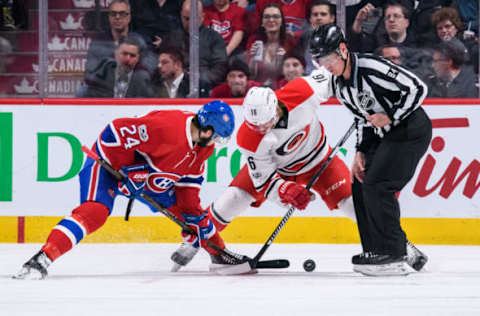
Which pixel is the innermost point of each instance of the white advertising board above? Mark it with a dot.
(45, 159)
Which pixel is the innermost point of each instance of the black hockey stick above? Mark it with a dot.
(271, 264)
(291, 209)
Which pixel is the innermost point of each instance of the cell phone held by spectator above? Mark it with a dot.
(370, 24)
(259, 52)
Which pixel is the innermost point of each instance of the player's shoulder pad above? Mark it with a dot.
(295, 92)
(249, 139)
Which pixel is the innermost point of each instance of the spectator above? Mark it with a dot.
(104, 46)
(448, 25)
(453, 79)
(293, 67)
(212, 50)
(228, 20)
(392, 52)
(419, 61)
(468, 10)
(268, 45)
(396, 22)
(154, 19)
(237, 84)
(170, 81)
(5, 50)
(321, 12)
(293, 10)
(120, 77)
(12, 15)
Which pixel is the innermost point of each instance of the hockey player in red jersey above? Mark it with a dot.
(161, 154)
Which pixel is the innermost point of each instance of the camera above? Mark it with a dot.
(374, 13)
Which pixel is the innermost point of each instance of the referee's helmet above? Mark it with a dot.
(325, 40)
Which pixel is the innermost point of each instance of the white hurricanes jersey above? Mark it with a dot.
(298, 142)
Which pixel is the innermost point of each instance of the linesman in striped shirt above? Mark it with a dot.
(393, 133)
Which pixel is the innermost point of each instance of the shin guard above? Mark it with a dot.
(85, 219)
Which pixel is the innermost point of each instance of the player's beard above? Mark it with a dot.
(203, 141)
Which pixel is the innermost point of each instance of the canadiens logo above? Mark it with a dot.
(222, 27)
(293, 142)
(161, 181)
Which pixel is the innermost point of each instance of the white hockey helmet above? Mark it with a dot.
(260, 108)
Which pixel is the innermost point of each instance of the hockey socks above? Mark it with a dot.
(85, 219)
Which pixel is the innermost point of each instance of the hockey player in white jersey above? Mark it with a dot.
(284, 144)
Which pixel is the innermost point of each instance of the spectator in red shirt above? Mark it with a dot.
(237, 84)
(294, 11)
(268, 45)
(228, 20)
(293, 67)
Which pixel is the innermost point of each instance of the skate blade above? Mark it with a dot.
(175, 267)
(28, 274)
(391, 269)
(232, 269)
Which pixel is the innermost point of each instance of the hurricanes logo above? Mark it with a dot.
(294, 141)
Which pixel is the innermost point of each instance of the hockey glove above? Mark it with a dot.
(202, 226)
(134, 180)
(294, 194)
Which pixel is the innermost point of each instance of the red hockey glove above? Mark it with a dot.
(294, 194)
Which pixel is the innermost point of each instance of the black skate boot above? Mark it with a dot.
(373, 264)
(183, 255)
(233, 263)
(415, 258)
(35, 268)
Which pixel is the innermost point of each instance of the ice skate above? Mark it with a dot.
(372, 264)
(35, 268)
(415, 258)
(225, 265)
(183, 255)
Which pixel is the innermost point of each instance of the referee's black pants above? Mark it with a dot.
(389, 165)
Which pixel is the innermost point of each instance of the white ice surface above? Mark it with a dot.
(134, 279)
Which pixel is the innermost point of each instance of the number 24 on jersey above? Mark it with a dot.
(134, 135)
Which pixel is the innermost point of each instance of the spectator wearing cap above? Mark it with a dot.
(170, 80)
(293, 67)
(237, 83)
(228, 20)
(419, 61)
(452, 78)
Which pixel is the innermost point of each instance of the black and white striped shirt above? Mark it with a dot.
(378, 86)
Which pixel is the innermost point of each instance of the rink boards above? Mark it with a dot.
(40, 157)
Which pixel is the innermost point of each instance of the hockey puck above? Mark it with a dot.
(309, 265)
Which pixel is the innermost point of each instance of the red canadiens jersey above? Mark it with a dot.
(298, 142)
(227, 22)
(163, 140)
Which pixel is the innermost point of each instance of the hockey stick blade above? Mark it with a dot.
(273, 264)
(291, 209)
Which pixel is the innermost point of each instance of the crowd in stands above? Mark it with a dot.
(141, 48)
